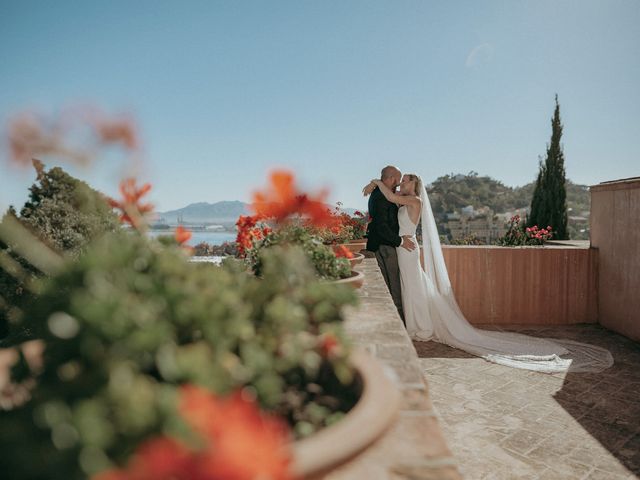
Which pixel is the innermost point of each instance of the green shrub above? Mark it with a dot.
(322, 257)
(65, 214)
(130, 320)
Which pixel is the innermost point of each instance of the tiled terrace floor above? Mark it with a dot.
(506, 423)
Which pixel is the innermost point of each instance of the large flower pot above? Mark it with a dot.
(356, 280)
(315, 456)
(357, 258)
(355, 246)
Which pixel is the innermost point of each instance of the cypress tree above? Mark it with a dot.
(549, 202)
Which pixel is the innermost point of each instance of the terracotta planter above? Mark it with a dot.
(315, 456)
(355, 247)
(356, 280)
(357, 258)
(358, 240)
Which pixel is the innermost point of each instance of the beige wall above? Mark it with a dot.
(524, 286)
(615, 232)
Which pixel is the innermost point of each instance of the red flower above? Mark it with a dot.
(343, 252)
(160, 458)
(329, 345)
(248, 232)
(358, 213)
(282, 200)
(245, 444)
(132, 210)
(182, 235)
(240, 443)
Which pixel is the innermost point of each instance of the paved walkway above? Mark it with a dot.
(506, 423)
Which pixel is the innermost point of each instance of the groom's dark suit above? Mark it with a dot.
(383, 238)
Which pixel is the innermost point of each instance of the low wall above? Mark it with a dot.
(615, 213)
(550, 285)
(413, 447)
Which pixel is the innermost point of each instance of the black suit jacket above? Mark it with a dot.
(383, 228)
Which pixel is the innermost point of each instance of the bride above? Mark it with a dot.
(432, 313)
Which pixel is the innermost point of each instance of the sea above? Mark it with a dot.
(212, 238)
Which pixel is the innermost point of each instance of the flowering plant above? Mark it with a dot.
(517, 235)
(296, 218)
(155, 367)
(342, 227)
(537, 236)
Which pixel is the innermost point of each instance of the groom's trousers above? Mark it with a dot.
(387, 258)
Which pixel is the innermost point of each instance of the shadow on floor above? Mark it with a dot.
(607, 404)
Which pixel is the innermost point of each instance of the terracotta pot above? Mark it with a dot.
(356, 280)
(355, 247)
(376, 410)
(357, 258)
(358, 240)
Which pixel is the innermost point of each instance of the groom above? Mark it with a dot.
(383, 237)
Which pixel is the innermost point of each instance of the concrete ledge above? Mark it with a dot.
(414, 447)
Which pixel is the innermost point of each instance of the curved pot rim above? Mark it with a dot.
(356, 279)
(368, 420)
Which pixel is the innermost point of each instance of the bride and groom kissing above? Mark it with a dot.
(422, 293)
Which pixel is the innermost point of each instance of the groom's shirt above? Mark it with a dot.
(383, 228)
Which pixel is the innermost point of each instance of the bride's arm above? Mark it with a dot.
(394, 198)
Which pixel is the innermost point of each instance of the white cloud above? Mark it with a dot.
(479, 54)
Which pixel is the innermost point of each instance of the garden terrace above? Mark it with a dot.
(501, 422)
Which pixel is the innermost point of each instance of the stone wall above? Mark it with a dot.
(615, 232)
(413, 448)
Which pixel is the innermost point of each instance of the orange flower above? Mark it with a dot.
(120, 131)
(245, 443)
(248, 232)
(329, 345)
(132, 211)
(343, 252)
(282, 199)
(182, 235)
(160, 458)
(241, 443)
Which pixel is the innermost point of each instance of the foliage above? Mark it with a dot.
(518, 235)
(470, 239)
(549, 202)
(327, 265)
(64, 213)
(342, 227)
(131, 320)
(452, 192)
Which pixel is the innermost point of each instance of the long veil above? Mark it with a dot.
(506, 348)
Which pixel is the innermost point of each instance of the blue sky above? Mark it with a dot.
(224, 91)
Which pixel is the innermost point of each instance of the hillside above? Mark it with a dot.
(452, 192)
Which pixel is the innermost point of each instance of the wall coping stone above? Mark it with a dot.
(414, 446)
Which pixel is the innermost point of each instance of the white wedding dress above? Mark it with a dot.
(432, 313)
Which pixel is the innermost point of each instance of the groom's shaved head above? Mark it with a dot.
(388, 172)
(390, 176)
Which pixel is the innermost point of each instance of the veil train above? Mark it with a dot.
(505, 348)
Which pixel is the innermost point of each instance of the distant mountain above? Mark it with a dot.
(223, 213)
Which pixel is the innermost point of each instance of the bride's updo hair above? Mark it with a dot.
(417, 183)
